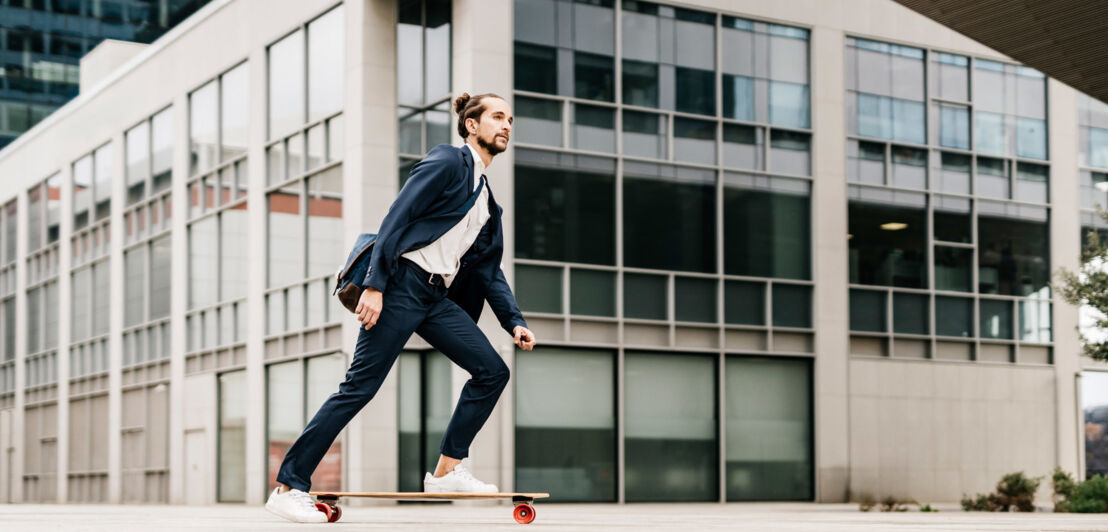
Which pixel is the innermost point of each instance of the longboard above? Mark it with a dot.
(523, 513)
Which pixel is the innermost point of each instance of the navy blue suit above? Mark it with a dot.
(424, 210)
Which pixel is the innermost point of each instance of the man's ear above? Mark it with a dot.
(472, 130)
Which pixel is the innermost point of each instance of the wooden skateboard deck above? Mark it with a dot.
(523, 513)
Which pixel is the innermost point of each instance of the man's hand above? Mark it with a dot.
(369, 307)
(525, 339)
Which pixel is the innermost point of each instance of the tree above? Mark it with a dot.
(1088, 287)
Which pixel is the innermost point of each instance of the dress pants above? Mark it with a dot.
(410, 304)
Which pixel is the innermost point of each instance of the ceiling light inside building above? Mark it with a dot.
(894, 226)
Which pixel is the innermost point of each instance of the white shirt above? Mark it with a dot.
(444, 255)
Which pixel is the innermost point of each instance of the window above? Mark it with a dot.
(766, 233)
(232, 437)
(1014, 257)
(885, 91)
(681, 239)
(425, 406)
(566, 48)
(671, 440)
(566, 215)
(888, 244)
(305, 88)
(423, 33)
(769, 429)
(566, 446)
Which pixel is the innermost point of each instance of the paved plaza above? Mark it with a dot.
(469, 516)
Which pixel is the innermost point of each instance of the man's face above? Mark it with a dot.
(495, 127)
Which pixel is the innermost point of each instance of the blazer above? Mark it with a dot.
(425, 210)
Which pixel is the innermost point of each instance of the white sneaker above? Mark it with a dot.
(294, 505)
(460, 480)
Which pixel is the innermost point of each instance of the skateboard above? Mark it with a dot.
(523, 513)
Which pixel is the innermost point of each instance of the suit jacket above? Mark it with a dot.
(424, 210)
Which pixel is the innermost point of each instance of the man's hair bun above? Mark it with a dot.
(460, 103)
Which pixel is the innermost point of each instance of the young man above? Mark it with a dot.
(432, 268)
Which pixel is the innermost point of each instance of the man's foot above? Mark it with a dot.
(294, 505)
(460, 480)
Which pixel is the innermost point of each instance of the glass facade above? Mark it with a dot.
(42, 42)
(294, 392)
(955, 229)
(677, 207)
(426, 402)
(424, 112)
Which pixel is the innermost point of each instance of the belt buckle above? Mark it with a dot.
(431, 280)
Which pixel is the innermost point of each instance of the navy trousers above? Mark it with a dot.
(410, 304)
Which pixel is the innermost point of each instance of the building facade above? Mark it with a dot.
(783, 251)
(41, 42)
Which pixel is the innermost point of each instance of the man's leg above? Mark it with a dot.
(450, 330)
(403, 308)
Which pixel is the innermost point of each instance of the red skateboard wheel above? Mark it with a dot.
(524, 513)
(325, 508)
(336, 513)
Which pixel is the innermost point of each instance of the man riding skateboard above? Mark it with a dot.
(433, 266)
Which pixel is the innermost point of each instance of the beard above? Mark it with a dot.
(492, 148)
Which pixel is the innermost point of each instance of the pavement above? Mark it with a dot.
(753, 517)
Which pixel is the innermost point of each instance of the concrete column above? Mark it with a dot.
(370, 184)
(19, 426)
(115, 322)
(256, 448)
(178, 242)
(829, 267)
(1065, 252)
(482, 58)
(65, 319)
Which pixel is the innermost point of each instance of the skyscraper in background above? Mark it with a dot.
(42, 41)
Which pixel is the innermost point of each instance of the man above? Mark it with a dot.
(433, 266)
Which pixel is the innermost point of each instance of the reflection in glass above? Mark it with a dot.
(137, 142)
(286, 236)
(203, 265)
(234, 112)
(888, 245)
(671, 438)
(565, 215)
(688, 233)
(326, 45)
(996, 319)
(766, 234)
(769, 429)
(565, 432)
(1014, 257)
(1035, 321)
(203, 142)
(1094, 405)
(286, 84)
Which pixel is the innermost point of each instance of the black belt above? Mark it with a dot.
(433, 279)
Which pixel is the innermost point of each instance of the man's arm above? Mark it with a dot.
(426, 181)
(503, 303)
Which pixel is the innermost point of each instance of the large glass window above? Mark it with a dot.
(566, 424)
(888, 244)
(1009, 110)
(307, 87)
(565, 47)
(566, 215)
(669, 218)
(1014, 256)
(671, 55)
(671, 446)
(769, 429)
(765, 72)
(423, 80)
(766, 233)
(885, 91)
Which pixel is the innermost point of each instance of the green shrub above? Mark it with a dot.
(1090, 496)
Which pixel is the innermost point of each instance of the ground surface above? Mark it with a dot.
(486, 516)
